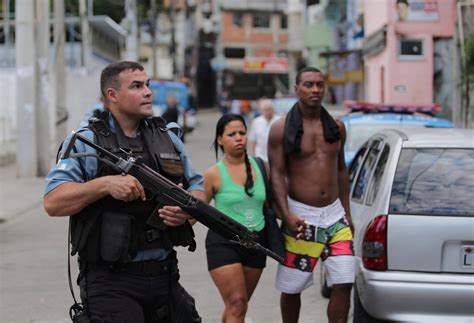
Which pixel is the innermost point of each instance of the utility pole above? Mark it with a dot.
(6, 29)
(84, 35)
(43, 134)
(60, 70)
(173, 37)
(132, 28)
(90, 8)
(217, 20)
(153, 36)
(26, 151)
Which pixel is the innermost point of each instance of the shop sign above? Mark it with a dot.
(266, 64)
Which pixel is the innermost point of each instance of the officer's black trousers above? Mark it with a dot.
(123, 295)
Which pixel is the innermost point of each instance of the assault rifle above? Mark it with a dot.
(171, 194)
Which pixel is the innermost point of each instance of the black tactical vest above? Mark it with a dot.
(113, 231)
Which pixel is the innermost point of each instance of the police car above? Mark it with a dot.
(365, 119)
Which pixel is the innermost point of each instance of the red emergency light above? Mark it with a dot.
(387, 107)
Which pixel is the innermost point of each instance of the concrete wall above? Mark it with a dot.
(82, 92)
(7, 115)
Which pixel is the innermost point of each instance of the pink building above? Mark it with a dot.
(398, 49)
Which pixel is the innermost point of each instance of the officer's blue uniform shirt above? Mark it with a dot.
(84, 169)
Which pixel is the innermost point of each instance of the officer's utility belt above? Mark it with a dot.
(168, 266)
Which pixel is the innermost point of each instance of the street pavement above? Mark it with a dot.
(33, 255)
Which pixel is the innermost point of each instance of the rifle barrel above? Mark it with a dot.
(175, 195)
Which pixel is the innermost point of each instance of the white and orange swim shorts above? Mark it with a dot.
(328, 236)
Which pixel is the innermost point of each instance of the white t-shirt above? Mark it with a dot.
(258, 133)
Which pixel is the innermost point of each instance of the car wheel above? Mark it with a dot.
(360, 314)
(325, 289)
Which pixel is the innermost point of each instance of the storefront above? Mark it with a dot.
(256, 77)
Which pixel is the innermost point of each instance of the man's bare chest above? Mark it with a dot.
(314, 144)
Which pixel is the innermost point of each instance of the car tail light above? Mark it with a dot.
(374, 246)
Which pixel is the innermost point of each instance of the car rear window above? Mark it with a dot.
(434, 182)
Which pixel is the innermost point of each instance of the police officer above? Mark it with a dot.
(123, 234)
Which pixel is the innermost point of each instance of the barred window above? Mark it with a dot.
(261, 20)
(237, 19)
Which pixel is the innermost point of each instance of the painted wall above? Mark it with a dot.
(374, 72)
(405, 80)
(409, 81)
(320, 27)
(317, 38)
(376, 15)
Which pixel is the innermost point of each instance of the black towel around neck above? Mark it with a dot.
(294, 129)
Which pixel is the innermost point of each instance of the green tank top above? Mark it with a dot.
(234, 202)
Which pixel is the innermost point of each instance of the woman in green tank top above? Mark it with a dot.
(236, 185)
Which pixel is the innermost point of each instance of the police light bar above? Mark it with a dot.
(387, 107)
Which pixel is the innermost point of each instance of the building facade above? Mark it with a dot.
(403, 40)
(251, 50)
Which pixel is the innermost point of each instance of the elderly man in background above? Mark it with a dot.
(260, 128)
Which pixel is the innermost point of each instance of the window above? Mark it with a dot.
(237, 19)
(410, 49)
(234, 52)
(261, 20)
(284, 22)
(378, 174)
(362, 183)
(312, 2)
(431, 181)
(358, 159)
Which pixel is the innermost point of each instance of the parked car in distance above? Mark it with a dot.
(162, 89)
(366, 119)
(411, 199)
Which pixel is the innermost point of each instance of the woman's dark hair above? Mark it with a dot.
(221, 123)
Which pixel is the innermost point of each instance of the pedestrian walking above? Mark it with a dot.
(128, 267)
(236, 185)
(171, 113)
(260, 128)
(311, 188)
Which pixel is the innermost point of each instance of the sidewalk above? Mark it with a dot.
(18, 195)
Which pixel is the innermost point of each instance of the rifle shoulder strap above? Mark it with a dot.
(266, 181)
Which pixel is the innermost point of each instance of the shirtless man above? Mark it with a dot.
(311, 187)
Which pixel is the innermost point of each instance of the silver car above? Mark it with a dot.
(412, 203)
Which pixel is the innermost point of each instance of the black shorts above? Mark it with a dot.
(221, 252)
